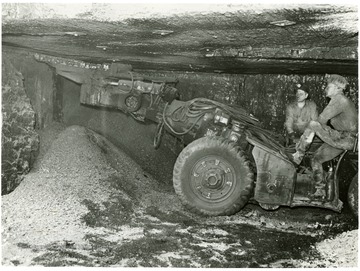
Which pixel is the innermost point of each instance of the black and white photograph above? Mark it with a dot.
(179, 134)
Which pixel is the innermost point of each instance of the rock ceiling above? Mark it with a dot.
(194, 38)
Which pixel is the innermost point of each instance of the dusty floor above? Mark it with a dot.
(87, 203)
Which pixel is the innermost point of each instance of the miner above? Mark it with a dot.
(337, 127)
(298, 114)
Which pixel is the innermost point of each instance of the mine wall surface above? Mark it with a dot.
(99, 194)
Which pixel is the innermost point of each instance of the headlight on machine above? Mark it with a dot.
(221, 117)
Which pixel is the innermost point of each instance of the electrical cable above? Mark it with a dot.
(198, 107)
(172, 129)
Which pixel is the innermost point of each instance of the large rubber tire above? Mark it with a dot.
(353, 196)
(213, 177)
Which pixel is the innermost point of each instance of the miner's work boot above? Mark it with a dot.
(320, 193)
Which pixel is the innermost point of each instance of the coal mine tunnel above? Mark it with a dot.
(99, 101)
(249, 56)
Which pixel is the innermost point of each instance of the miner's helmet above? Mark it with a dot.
(337, 80)
(303, 87)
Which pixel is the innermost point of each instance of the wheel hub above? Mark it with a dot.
(212, 178)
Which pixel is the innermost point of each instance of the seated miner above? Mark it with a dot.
(298, 114)
(342, 115)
